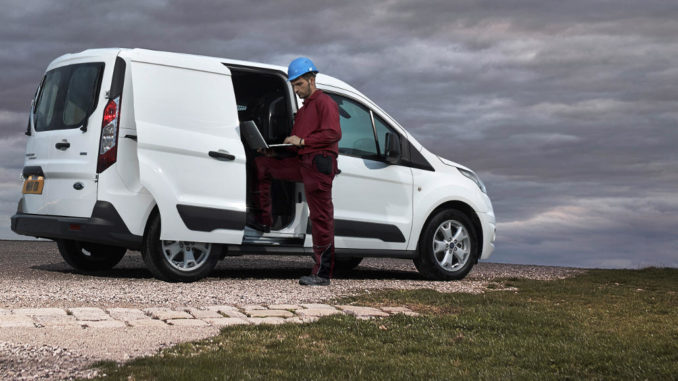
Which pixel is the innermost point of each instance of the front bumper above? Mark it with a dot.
(487, 220)
(104, 227)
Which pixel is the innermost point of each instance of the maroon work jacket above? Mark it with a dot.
(317, 122)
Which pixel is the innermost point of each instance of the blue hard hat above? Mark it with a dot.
(299, 67)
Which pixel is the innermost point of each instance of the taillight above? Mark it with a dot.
(108, 144)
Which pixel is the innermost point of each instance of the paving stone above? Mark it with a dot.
(229, 311)
(127, 314)
(187, 322)
(104, 324)
(16, 321)
(362, 311)
(266, 320)
(147, 323)
(59, 321)
(250, 307)
(203, 314)
(224, 322)
(270, 313)
(89, 314)
(317, 312)
(40, 311)
(163, 313)
(317, 306)
(292, 307)
(235, 314)
(222, 308)
(399, 310)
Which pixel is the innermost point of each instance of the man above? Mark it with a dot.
(315, 136)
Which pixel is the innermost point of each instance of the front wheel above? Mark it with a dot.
(85, 256)
(177, 261)
(447, 249)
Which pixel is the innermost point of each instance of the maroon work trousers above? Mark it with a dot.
(318, 188)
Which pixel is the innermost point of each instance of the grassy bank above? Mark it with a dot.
(605, 324)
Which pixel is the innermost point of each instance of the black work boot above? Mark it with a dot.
(314, 280)
(324, 259)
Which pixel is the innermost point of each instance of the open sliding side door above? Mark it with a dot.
(191, 158)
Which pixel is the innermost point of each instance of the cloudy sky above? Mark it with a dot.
(568, 110)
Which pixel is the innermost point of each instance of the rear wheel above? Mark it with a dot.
(85, 256)
(177, 261)
(345, 265)
(447, 249)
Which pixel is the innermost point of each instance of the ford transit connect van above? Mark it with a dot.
(132, 149)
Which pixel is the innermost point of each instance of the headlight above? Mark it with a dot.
(475, 179)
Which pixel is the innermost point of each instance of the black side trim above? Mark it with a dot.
(347, 228)
(32, 170)
(118, 78)
(340, 253)
(348, 253)
(208, 219)
(413, 158)
(104, 227)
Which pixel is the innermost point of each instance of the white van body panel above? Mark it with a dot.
(446, 184)
(359, 196)
(181, 114)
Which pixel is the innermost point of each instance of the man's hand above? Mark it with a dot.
(294, 140)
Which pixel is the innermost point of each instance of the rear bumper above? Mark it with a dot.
(104, 227)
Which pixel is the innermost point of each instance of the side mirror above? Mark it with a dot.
(392, 150)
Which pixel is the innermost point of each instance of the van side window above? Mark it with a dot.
(357, 135)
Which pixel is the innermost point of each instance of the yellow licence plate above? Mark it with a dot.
(34, 185)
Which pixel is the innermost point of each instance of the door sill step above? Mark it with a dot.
(273, 241)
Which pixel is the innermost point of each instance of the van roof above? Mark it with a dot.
(181, 59)
(205, 63)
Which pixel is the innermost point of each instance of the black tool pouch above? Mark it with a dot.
(323, 164)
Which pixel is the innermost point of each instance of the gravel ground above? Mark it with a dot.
(34, 275)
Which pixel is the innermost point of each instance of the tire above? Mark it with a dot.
(448, 247)
(177, 261)
(345, 265)
(87, 257)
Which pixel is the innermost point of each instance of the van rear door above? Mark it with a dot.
(65, 129)
(191, 158)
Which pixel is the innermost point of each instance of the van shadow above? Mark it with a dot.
(121, 273)
(224, 272)
(295, 273)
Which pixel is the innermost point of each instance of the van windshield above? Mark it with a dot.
(67, 97)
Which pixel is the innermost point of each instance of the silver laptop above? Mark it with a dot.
(253, 137)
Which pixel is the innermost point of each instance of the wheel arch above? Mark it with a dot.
(469, 212)
(154, 211)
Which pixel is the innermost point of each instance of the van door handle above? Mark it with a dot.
(223, 156)
(62, 146)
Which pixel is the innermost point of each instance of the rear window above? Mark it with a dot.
(67, 97)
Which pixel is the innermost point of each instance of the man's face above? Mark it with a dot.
(302, 87)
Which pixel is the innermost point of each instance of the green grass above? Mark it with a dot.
(604, 324)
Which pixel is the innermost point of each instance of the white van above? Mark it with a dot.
(138, 149)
